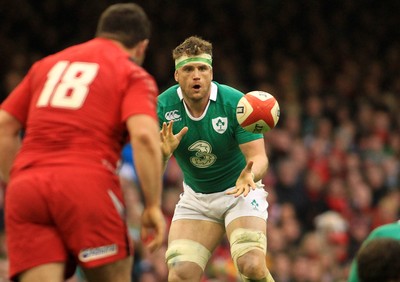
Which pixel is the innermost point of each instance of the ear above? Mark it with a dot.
(139, 51)
(142, 47)
(176, 75)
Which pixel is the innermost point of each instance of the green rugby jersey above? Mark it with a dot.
(209, 153)
(391, 230)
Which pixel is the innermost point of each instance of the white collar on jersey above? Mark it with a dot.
(213, 94)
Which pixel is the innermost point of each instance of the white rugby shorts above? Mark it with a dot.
(219, 207)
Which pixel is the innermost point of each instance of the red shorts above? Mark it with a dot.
(60, 214)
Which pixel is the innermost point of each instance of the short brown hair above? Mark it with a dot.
(124, 22)
(379, 260)
(192, 46)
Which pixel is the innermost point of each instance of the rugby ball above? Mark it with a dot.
(258, 112)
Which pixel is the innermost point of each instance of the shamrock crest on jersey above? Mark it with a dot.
(220, 124)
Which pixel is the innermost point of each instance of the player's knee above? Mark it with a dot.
(185, 271)
(245, 240)
(252, 264)
(248, 249)
(187, 252)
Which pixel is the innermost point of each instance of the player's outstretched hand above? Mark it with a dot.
(169, 141)
(153, 228)
(244, 183)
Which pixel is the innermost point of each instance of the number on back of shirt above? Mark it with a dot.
(67, 85)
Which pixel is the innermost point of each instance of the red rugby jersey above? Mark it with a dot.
(74, 105)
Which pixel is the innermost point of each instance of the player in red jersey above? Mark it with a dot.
(64, 205)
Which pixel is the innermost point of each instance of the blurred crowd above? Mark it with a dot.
(334, 67)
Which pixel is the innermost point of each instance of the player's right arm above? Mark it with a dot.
(10, 143)
(169, 141)
(144, 138)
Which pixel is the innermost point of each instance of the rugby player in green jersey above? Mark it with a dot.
(379, 256)
(222, 167)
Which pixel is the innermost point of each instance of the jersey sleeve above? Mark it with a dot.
(140, 97)
(160, 109)
(243, 136)
(18, 101)
(353, 275)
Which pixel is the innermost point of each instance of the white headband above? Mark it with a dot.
(203, 58)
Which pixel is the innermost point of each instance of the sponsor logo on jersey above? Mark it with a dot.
(220, 124)
(172, 115)
(97, 253)
(203, 157)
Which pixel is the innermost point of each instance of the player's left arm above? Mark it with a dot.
(256, 167)
(10, 142)
(255, 151)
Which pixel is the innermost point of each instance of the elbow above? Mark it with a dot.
(146, 140)
(142, 138)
